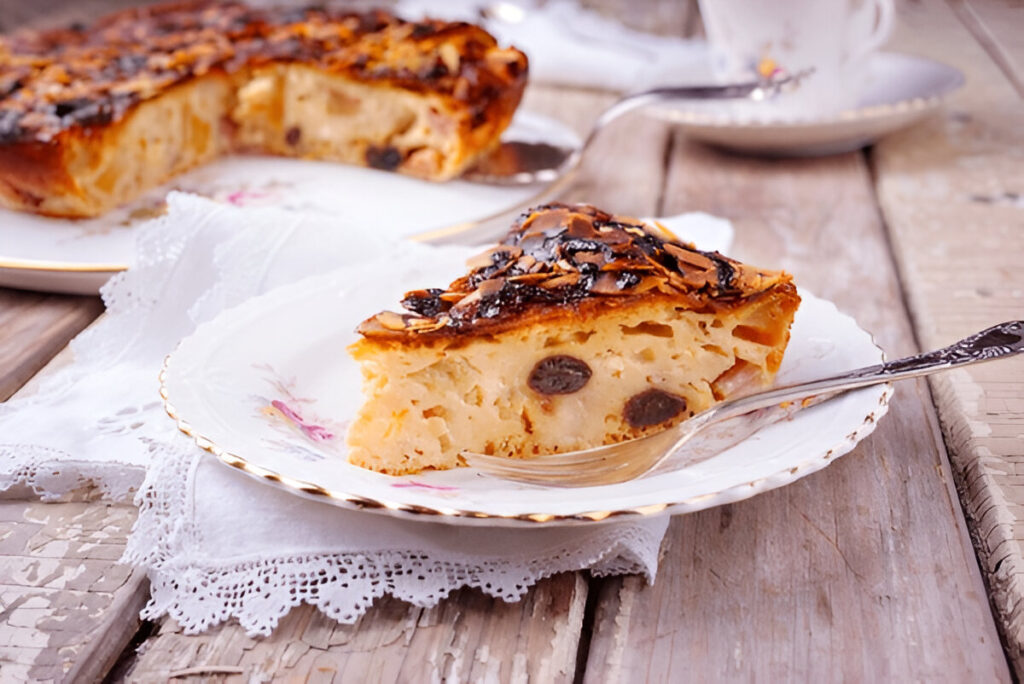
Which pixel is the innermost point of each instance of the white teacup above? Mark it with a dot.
(833, 37)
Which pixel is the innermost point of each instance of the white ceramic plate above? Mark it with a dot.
(62, 255)
(277, 407)
(900, 90)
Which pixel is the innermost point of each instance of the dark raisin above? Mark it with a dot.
(130, 64)
(86, 111)
(428, 303)
(371, 22)
(559, 374)
(384, 158)
(652, 407)
(10, 125)
(724, 271)
(573, 245)
(439, 70)
(626, 280)
(423, 30)
(66, 107)
(293, 136)
(9, 87)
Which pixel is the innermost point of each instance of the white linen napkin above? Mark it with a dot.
(569, 45)
(216, 543)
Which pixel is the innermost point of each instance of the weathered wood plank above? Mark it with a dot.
(468, 637)
(848, 574)
(59, 579)
(999, 27)
(953, 195)
(33, 328)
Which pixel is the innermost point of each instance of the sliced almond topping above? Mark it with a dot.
(561, 281)
(390, 320)
(666, 286)
(607, 284)
(662, 232)
(694, 280)
(648, 283)
(588, 257)
(490, 287)
(525, 262)
(450, 56)
(690, 258)
(528, 278)
(420, 323)
(468, 301)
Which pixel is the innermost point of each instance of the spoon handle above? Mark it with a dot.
(669, 94)
(1000, 341)
(760, 89)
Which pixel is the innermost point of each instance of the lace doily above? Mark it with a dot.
(216, 544)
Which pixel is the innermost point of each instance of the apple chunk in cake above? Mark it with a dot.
(579, 329)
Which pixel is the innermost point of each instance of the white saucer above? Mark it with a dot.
(900, 90)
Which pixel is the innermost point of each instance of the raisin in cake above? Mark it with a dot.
(90, 117)
(579, 329)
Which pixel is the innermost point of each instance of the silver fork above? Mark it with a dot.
(723, 425)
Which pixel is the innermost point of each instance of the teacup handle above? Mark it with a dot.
(886, 13)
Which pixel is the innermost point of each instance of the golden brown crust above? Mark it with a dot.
(65, 89)
(58, 80)
(572, 261)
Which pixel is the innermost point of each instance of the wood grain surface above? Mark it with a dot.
(953, 194)
(33, 328)
(862, 572)
(66, 605)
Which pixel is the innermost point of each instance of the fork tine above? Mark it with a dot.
(588, 468)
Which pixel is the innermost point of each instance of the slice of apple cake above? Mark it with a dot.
(579, 329)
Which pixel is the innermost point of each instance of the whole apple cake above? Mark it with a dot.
(93, 116)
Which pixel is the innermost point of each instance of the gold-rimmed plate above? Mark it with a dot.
(268, 388)
(78, 256)
(899, 90)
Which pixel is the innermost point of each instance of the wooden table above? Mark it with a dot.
(865, 571)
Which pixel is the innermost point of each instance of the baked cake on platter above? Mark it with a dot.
(91, 117)
(579, 329)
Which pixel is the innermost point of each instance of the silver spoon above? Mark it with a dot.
(517, 162)
(723, 425)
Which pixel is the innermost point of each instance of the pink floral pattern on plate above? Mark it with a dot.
(301, 431)
(443, 491)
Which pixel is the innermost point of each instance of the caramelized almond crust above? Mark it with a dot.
(569, 261)
(579, 329)
(426, 98)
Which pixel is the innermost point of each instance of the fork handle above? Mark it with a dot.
(1000, 341)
